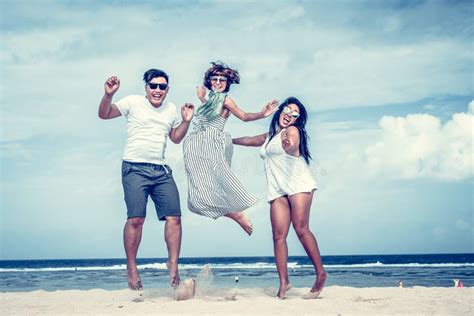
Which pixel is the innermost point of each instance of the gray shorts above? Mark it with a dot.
(141, 180)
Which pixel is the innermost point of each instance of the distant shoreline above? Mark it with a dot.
(263, 256)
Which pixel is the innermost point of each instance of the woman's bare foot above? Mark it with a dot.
(174, 275)
(282, 290)
(317, 286)
(319, 283)
(134, 281)
(243, 221)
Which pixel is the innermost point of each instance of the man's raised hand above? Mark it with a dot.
(187, 112)
(112, 85)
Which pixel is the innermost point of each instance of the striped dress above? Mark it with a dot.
(213, 189)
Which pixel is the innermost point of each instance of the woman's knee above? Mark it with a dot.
(301, 229)
(279, 235)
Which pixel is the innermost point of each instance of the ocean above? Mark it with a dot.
(430, 270)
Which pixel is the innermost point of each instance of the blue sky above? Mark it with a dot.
(389, 87)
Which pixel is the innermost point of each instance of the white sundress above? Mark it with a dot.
(286, 174)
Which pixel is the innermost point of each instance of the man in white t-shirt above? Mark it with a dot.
(150, 121)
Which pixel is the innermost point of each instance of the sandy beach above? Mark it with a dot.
(335, 300)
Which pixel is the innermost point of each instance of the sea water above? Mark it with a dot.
(431, 270)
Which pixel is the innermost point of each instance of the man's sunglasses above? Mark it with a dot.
(288, 110)
(162, 86)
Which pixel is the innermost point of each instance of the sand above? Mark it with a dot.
(335, 300)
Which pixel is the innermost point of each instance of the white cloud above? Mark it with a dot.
(54, 63)
(280, 15)
(419, 146)
(352, 73)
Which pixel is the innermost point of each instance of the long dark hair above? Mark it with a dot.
(219, 68)
(300, 124)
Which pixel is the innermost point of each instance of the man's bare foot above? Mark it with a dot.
(282, 290)
(134, 282)
(243, 221)
(174, 275)
(317, 286)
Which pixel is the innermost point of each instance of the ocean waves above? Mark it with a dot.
(231, 266)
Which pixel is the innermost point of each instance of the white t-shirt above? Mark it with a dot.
(147, 129)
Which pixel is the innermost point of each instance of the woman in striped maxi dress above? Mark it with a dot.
(213, 189)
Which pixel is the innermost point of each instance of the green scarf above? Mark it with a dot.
(213, 105)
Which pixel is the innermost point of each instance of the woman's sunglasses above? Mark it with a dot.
(162, 86)
(219, 78)
(293, 113)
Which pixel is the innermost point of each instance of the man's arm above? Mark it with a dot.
(177, 134)
(108, 110)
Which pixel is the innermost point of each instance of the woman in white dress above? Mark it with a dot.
(285, 152)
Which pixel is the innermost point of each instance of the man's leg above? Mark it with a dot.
(173, 234)
(132, 235)
(135, 186)
(165, 195)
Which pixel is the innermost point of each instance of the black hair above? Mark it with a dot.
(300, 124)
(153, 73)
(219, 68)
